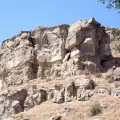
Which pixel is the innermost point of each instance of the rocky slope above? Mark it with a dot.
(57, 73)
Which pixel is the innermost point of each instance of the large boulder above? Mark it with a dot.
(12, 102)
(35, 96)
(84, 87)
(84, 83)
(74, 37)
(58, 94)
(113, 74)
(116, 74)
(70, 91)
(80, 89)
(91, 67)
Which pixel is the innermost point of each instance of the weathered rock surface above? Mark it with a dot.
(12, 102)
(26, 97)
(113, 74)
(56, 51)
(61, 52)
(55, 118)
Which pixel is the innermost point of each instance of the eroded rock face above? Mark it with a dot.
(113, 74)
(12, 102)
(70, 92)
(18, 62)
(35, 96)
(57, 51)
(62, 51)
(16, 100)
(74, 89)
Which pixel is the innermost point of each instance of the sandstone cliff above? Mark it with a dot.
(59, 65)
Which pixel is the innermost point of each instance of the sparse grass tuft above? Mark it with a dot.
(95, 109)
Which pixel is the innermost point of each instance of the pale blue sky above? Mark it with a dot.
(18, 15)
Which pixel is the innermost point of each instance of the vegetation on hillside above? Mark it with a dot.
(95, 109)
(117, 48)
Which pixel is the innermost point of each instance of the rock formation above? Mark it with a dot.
(45, 64)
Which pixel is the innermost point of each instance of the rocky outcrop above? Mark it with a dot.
(16, 100)
(113, 74)
(59, 52)
(35, 96)
(79, 89)
(12, 102)
(18, 62)
(56, 51)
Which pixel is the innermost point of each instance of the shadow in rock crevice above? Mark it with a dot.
(105, 52)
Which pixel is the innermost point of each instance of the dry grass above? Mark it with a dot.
(77, 110)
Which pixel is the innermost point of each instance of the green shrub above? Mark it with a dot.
(117, 48)
(115, 31)
(95, 109)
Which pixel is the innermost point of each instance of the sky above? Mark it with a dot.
(21, 15)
